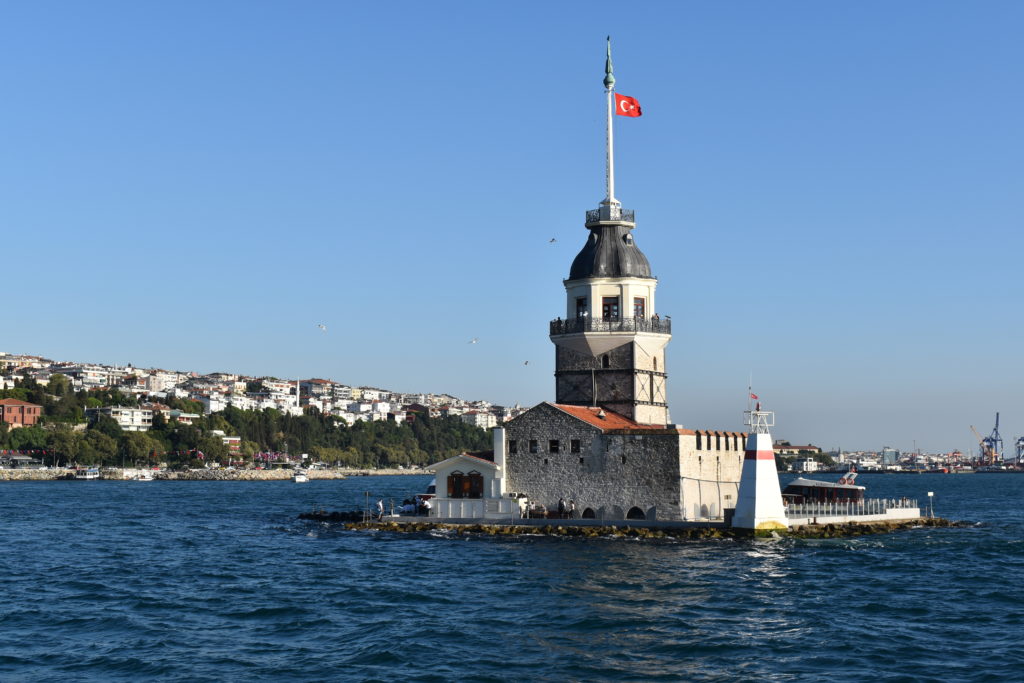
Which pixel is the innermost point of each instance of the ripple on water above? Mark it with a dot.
(211, 581)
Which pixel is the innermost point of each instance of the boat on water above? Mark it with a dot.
(143, 476)
(300, 477)
(87, 474)
(846, 490)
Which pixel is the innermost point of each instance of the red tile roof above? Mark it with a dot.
(16, 402)
(607, 420)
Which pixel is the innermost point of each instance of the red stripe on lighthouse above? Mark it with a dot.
(759, 455)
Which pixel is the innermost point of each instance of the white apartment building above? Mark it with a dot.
(480, 419)
(276, 386)
(806, 465)
(129, 419)
(159, 380)
(212, 403)
(87, 376)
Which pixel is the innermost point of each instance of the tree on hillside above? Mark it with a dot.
(59, 385)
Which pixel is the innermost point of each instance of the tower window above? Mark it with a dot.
(574, 445)
(698, 441)
(513, 447)
(581, 307)
(533, 445)
(639, 307)
(553, 446)
(655, 363)
(610, 308)
(606, 362)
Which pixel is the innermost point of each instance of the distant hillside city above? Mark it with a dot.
(183, 416)
(176, 416)
(216, 391)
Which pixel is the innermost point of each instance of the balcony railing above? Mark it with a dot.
(868, 506)
(653, 325)
(610, 214)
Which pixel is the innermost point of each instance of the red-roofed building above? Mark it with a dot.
(19, 413)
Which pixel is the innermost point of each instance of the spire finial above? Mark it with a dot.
(609, 77)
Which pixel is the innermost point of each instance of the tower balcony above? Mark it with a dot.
(611, 325)
(612, 214)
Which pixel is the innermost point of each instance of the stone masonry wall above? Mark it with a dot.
(709, 477)
(611, 474)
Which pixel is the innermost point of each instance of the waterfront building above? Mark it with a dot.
(607, 442)
(786, 448)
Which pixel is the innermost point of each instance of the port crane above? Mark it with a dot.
(991, 445)
(1020, 450)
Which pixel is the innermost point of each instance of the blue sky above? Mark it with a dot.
(829, 193)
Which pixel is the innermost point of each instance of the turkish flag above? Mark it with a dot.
(626, 106)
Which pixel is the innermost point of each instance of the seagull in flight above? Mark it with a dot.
(552, 240)
(322, 326)
(526, 363)
(474, 340)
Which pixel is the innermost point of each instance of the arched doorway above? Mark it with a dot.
(465, 485)
(588, 513)
(635, 513)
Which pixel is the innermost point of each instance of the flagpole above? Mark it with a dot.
(609, 85)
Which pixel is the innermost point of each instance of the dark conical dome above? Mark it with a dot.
(610, 252)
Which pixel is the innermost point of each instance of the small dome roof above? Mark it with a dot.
(610, 252)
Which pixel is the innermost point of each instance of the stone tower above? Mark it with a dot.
(610, 346)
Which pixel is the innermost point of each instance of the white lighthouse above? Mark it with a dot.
(760, 499)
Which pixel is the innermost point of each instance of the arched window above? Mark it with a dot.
(635, 513)
(698, 441)
(655, 363)
(588, 513)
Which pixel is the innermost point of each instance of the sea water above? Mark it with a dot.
(220, 581)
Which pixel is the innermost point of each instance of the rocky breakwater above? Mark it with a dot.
(246, 475)
(631, 531)
(35, 475)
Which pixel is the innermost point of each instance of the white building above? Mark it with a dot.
(806, 465)
(129, 419)
(480, 419)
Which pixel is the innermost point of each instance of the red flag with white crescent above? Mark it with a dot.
(627, 106)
